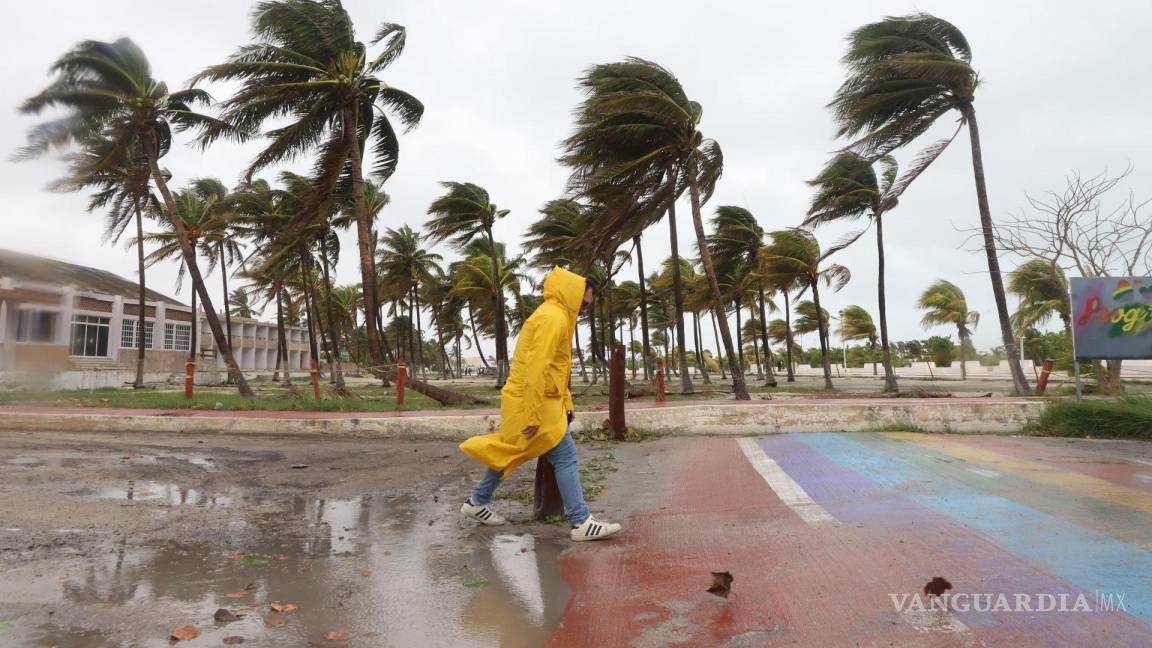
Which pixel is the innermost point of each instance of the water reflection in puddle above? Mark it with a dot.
(170, 494)
(391, 571)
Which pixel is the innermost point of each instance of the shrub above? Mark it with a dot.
(1125, 418)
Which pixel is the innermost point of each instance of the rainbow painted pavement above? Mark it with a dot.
(832, 536)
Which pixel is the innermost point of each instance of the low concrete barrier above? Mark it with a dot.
(1001, 416)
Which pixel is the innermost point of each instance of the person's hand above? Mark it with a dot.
(571, 417)
(530, 431)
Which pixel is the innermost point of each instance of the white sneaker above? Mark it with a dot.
(482, 514)
(593, 529)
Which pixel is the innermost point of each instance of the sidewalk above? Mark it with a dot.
(831, 539)
(725, 417)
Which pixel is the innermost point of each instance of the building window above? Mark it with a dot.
(90, 335)
(128, 334)
(35, 326)
(177, 337)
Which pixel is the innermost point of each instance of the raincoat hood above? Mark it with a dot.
(565, 287)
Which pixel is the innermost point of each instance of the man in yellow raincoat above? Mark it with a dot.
(536, 410)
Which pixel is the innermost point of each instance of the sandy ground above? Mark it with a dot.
(115, 540)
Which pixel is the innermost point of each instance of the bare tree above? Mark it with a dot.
(1085, 234)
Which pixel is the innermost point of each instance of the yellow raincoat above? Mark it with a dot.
(537, 389)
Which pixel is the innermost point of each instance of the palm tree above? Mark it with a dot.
(307, 64)
(109, 94)
(1043, 292)
(736, 245)
(793, 256)
(204, 223)
(404, 263)
(263, 213)
(943, 304)
(118, 178)
(239, 304)
(217, 237)
(637, 139)
(464, 214)
(847, 189)
(904, 73)
(857, 324)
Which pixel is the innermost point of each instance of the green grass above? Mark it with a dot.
(899, 426)
(1129, 417)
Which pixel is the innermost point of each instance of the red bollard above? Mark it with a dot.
(315, 380)
(660, 398)
(401, 375)
(189, 374)
(1042, 383)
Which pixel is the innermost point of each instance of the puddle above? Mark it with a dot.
(163, 493)
(389, 571)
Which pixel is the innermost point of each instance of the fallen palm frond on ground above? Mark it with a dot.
(1125, 418)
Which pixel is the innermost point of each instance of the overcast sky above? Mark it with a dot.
(1064, 86)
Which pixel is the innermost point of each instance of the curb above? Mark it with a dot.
(689, 419)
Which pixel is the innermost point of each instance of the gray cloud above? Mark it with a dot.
(498, 77)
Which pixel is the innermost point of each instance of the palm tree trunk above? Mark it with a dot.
(716, 337)
(963, 355)
(647, 350)
(420, 336)
(476, 337)
(886, 351)
(872, 349)
(501, 323)
(738, 386)
(282, 342)
(194, 334)
(771, 382)
(632, 346)
(189, 253)
(593, 345)
(740, 342)
(789, 341)
(696, 345)
(756, 353)
(313, 354)
(334, 333)
(820, 334)
(580, 353)
(364, 239)
(678, 299)
(227, 306)
(1019, 380)
(140, 321)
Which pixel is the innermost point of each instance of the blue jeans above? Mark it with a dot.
(567, 469)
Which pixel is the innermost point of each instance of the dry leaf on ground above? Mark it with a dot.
(336, 635)
(184, 634)
(721, 584)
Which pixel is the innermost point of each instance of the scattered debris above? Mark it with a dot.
(480, 582)
(184, 634)
(283, 607)
(721, 584)
(240, 594)
(224, 615)
(937, 586)
(233, 640)
(337, 635)
(299, 466)
(274, 619)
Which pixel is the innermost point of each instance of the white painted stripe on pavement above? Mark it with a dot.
(784, 486)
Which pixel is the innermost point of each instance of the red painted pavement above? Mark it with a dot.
(794, 584)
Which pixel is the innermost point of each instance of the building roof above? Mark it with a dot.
(38, 269)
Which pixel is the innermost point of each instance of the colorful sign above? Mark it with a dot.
(1112, 317)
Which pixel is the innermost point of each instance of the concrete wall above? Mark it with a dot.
(952, 415)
